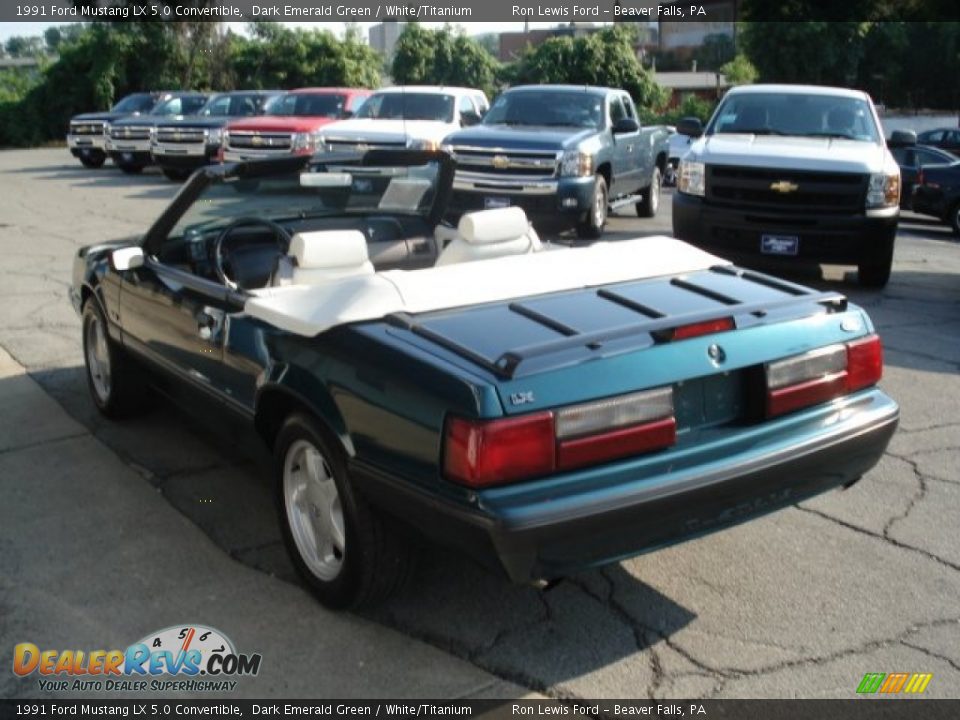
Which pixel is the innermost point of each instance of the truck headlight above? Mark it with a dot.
(304, 142)
(421, 144)
(691, 178)
(884, 190)
(576, 164)
(214, 136)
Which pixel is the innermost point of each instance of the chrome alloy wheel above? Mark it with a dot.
(98, 358)
(314, 511)
(655, 185)
(599, 208)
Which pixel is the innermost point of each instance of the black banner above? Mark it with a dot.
(863, 709)
(465, 11)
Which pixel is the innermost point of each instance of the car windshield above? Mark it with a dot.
(408, 106)
(795, 114)
(180, 106)
(548, 107)
(308, 105)
(138, 103)
(231, 106)
(318, 191)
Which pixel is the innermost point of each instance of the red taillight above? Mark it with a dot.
(822, 375)
(481, 453)
(864, 363)
(685, 332)
(616, 444)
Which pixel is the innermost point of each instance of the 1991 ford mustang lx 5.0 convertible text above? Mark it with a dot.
(542, 410)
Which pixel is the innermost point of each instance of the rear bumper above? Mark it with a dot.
(539, 198)
(530, 534)
(736, 233)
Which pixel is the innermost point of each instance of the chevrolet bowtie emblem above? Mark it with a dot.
(256, 140)
(784, 186)
(500, 162)
(362, 147)
(176, 135)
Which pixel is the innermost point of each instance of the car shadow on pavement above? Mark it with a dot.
(215, 473)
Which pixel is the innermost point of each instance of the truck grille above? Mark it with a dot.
(180, 135)
(513, 163)
(86, 128)
(364, 145)
(788, 190)
(130, 132)
(256, 140)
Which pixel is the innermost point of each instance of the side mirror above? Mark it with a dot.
(690, 126)
(902, 138)
(346, 114)
(469, 118)
(128, 258)
(625, 125)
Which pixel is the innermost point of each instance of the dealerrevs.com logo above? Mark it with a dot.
(187, 658)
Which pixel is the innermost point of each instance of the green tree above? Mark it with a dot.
(22, 46)
(820, 53)
(717, 50)
(443, 56)
(605, 58)
(740, 71)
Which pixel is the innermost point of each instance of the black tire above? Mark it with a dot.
(374, 561)
(650, 204)
(954, 219)
(93, 160)
(176, 174)
(122, 390)
(131, 168)
(874, 272)
(590, 226)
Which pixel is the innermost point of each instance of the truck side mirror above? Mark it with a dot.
(128, 258)
(902, 138)
(469, 117)
(690, 126)
(625, 125)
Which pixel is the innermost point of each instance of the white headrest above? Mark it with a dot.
(329, 249)
(486, 227)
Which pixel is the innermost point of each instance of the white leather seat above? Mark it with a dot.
(488, 234)
(316, 257)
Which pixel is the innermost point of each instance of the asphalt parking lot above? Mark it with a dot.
(799, 604)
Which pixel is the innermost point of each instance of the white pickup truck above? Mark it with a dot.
(791, 172)
(417, 117)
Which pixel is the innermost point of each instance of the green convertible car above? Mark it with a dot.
(541, 409)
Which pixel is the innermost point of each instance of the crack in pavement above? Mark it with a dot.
(939, 656)
(917, 496)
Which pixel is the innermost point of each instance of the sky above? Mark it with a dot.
(9, 29)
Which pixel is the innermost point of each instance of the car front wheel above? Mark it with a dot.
(650, 202)
(874, 271)
(93, 159)
(590, 227)
(347, 554)
(131, 168)
(117, 384)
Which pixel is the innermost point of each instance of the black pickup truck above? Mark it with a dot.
(128, 141)
(88, 132)
(560, 151)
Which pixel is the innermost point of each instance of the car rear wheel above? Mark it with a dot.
(93, 159)
(347, 554)
(590, 227)
(955, 219)
(648, 206)
(117, 383)
(874, 272)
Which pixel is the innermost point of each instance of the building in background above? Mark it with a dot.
(383, 37)
(708, 86)
(684, 38)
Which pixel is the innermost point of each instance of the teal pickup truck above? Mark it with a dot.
(565, 151)
(542, 410)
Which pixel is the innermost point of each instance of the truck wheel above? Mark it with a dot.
(648, 206)
(874, 272)
(130, 168)
(345, 552)
(176, 174)
(591, 226)
(117, 383)
(93, 160)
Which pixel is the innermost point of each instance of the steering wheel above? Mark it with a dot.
(282, 237)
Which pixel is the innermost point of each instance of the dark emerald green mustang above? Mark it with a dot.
(541, 409)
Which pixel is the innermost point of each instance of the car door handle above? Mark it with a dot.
(209, 323)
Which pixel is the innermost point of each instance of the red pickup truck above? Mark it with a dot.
(290, 124)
